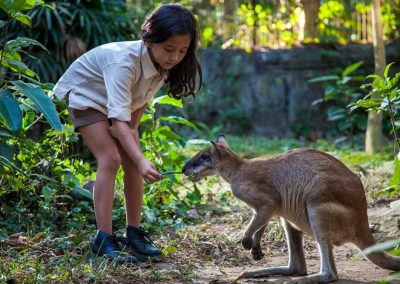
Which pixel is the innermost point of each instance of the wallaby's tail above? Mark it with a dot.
(381, 259)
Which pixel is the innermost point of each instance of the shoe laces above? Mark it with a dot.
(113, 242)
(145, 237)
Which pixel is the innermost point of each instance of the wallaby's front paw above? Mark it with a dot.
(257, 253)
(247, 243)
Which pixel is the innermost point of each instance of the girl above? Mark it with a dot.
(107, 90)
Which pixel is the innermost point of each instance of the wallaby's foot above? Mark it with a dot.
(257, 253)
(247, 243)
(315, 278)
(282, 271)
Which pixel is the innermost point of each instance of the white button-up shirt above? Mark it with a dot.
(115, 79)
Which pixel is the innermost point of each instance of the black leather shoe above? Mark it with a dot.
(140, 244)
(107, 245)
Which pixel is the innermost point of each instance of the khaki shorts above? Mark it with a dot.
(86, 116)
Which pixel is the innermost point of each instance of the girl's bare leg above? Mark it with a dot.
(97, 137)
(133, 189)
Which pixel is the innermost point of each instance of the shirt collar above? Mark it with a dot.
(149, 70)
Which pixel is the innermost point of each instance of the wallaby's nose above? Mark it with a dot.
(185, 166)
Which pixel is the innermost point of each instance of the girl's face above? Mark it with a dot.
(170, 52)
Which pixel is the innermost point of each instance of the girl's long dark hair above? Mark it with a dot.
(169, 20)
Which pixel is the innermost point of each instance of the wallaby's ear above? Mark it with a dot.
(216, 149)
(222, 139)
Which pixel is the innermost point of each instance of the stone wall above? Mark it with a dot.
(267, 92)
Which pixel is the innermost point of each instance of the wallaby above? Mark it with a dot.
(312, 192)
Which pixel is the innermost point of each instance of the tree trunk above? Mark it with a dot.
(229, 10)
(374, 136)
(255, 28)
(311, 9)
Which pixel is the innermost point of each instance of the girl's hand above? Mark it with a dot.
(114, 134)
(148, 171)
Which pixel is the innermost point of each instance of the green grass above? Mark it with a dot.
(251, 147)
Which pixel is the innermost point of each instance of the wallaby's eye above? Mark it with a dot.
(205, 158)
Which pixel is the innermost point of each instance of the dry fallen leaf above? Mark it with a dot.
(36, 237)
(17, 239)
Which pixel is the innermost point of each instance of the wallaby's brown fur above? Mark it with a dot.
(311, 191)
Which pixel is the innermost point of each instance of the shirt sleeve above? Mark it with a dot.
(118, 80)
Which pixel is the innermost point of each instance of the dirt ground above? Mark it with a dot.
(211, 252)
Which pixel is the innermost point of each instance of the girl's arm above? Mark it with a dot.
(123, 133)
(134, 125)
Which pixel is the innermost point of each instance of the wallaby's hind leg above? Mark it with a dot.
(328, 271)
(297, 262)
(294, 238)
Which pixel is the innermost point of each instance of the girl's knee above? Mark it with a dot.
(110, 161)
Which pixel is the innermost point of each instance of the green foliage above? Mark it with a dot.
(168, 201)
(69, 28)
(329, 12)
(394, 183)
(390, 19)
(257, 21)
(384, 96)
(363, 159)
(33, 191)
(14, 92)
(339, 92)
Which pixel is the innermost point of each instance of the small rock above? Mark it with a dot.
(395, 206)
(193, 213)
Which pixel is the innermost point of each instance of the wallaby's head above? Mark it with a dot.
(205, 163)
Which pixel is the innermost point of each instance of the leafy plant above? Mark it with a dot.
(18, 98)
(14, 92)
(166, 202)
(69, 28)
(260, 22)
(387, 101)
(33, 166)
(339, 92)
